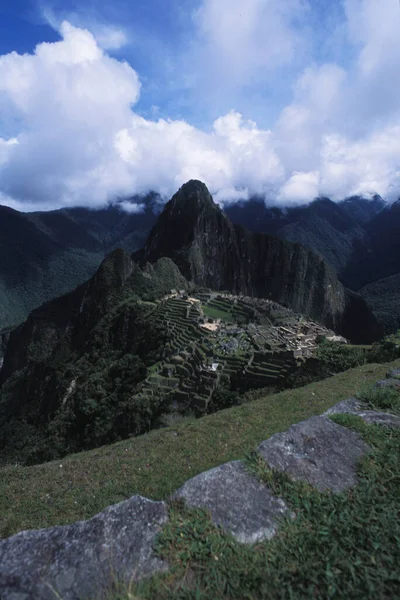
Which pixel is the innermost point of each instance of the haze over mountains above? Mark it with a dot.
(46, 254)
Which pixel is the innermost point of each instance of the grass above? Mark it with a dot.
(216, 313)
(338, 546)
(381, 398)
(155, 464)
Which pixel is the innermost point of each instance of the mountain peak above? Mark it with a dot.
(210, 252)
(193, 196)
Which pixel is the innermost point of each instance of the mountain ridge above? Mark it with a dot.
(43, 255)
(210, 251)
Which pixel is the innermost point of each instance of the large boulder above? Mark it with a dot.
(80, 560)
(317, 451)
(236, 501)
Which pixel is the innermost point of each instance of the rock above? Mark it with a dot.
(317, 451)
(353, 406)
(383, 383)
(236, 500)
(393, 374)
(78, 561)
(350, 406)
(373, 417)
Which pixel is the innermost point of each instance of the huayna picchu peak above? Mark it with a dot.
(210, 251)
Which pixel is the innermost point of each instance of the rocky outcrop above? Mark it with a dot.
(81, 560)
(393, 374)
(388, 383)
(236, 501)
(212, 252)
(317, 451)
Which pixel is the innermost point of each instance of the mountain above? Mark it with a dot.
(327, 228)
(118, 355)
(357, 237)
(210, 251)
(46, 254)
(383, 297)
(71, 368)
(378, 256)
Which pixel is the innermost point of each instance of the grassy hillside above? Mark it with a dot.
(155, 464)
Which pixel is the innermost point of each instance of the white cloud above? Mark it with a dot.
(299, 188)
(77, 140)
(131, 207)
(108, 37)
(69, 99)
(239, 40)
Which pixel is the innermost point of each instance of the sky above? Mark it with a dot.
(287, 99)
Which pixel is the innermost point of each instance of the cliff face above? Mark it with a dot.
(210, 251)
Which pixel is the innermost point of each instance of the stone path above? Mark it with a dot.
(77, 561)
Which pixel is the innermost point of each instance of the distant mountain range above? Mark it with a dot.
(328, 228)
(359, 238)
(46, 254)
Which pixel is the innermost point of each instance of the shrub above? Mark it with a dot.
(385, 398)
(386, 350)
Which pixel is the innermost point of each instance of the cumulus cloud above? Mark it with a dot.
(241, 41)
(107, 36)
(77, 140)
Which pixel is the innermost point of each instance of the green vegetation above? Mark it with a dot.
(46, 254)
(157, 463)
(216, 313)
(383, 297)
(386, 349)
(377, 398)
(95, 389)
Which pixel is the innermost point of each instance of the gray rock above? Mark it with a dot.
(317, 451)
(78, 561)
(350, 406)
(383, 383)
(374, 417)
(353, 406)
(393, 374)
(236, 500)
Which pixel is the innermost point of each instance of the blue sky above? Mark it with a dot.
(287, 98)
(158, 34)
